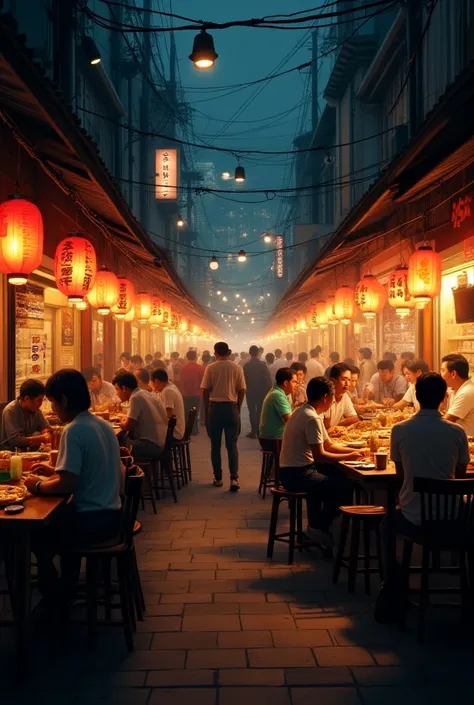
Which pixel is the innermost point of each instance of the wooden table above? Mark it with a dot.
(38, 513)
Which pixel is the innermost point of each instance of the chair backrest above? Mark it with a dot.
(133, 492)
(169, 435)
(447, 508)
(190, 424)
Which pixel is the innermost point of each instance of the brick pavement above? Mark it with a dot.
(224, 625)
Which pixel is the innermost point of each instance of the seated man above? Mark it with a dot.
(309, 462)
(354, 383)
(101, 392)
(136, 362)
(386, 387)
(298, 396)
(23, 424)
(341, 411)
(412, 370)
(426, 446)
(460, 404)
(147, 422)
(171, 398)
(125, 361)
(276, 409)
(143, 379)
(88, 468)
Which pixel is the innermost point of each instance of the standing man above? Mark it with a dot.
(191, 375)
(279, 359)
(258, 382)
(455, 372)
(223, 390)
(314, 367)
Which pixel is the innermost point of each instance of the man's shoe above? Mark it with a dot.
(251, 435)
(218, 483)
(234, 486)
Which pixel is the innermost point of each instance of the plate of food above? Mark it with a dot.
(355, 444)
(12, 494)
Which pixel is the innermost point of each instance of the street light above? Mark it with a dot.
(213, 264)
(218, 292)
(226, 176)
(267, 238)
(239, 176)
(91, 51)
(179, 222)
(224, 298)
(204, 54)
(237, 296)
(241, 257)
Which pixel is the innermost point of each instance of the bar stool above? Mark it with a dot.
(270, 448)
(295, 537)
(158, 470)
(181, 452)
(354, 517)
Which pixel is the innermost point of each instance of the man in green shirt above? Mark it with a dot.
(276, 409)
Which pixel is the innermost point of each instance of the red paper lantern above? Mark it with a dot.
(331, 311)
(399, 296)
(174, 320)
(126, 298)
(130, 316)
(321, 314)
(183, 326)
(105, 292)
(424, 275)
(21, 238)
(370, 296)
(75, 266)
(166, 316)
(156, 318)
(313, 319)
(143, 306)
(344, 304)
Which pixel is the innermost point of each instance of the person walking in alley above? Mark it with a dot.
(223, 390)
(258, 381)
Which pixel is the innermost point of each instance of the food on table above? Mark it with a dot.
(388, 401)
(337, 431)
(11, 494)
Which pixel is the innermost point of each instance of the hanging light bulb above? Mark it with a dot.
(179, 222)
(239, 176)
(91, 51)
(213, 264)
(204, 53)
(241, 257)
(82, 305)
(267, 238)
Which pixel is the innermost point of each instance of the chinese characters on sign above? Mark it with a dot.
(166, 174)
(29, 306)
(279, 266)
(461, 210)
(67, 327)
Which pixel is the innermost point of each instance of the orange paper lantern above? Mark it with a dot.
(75, 266)
(174, 320)
(344, 304)
(424, 275)
(370, 296)
(126, 298)
(130, 316)
(156, 318)
(105, 292)
(183, 326)
(321, 314)
(331, 311)
(21, 238)
(166, 316)
(143, 306)
(313, 320)
(399, 296)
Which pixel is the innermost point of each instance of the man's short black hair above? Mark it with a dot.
(289, 355)
(314, 352)
(148, 357)
(349, 361)
(298, 367)
(157, 355)
(407, 356)
(390, 356)
(206, 356)
(125, 356)
(159, 375)
(191, 355)
(430, 390)
(284, 374)
(32, 388)
(90, 372)
(137, 360)
(143, 375)
(337, 370)
(253, 351)
(366, 353)
(302, 357)
(72, 385)
(318, 387)
(417, 366)
(221, 349)
(277, 352)
(125, 379)
(385, 365)
(334, 356)
(355, 370)
(457, 363)
(270, 358)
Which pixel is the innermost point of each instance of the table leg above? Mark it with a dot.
(391, 542)
(22, 582)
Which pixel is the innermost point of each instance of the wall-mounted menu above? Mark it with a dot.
(29, 306)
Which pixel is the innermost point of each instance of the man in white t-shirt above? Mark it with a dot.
(171, 398)
(412, 370)
(386, 387)
(146, 422)
(309, 462)
(280, 361)
(455, 372)
(341, 412)
(314, 367)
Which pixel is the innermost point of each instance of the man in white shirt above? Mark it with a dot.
(455, 372)
(309, 462)
(171, 398)
(368, 369)
(341, 412)
(272, 367)
(412, 370)
(223, 390)
(426, 446)
(147, 421)
(280, 361)
(101, 392)
(314, 367)
(386, 387)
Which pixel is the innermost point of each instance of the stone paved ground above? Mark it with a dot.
(225, 626)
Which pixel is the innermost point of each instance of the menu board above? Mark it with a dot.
(29, 306)
(399, 334)
(67, 327)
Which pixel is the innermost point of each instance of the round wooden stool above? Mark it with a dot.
(295, 537)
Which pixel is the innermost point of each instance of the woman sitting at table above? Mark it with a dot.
(88, 468)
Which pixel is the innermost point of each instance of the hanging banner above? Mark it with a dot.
(279, 257)
(166, 174)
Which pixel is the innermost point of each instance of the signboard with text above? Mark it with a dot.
(166, 174)
(279, 256)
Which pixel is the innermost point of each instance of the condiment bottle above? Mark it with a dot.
(16, 466)
(373, 443)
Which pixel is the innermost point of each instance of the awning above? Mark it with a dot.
(31, 105)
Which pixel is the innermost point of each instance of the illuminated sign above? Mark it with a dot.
(166, 174)
(279, 266)
(461, 209)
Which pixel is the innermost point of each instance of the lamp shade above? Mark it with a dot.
(370, 296)
(331, 310)
(143, 306)
(156, 318)
(126, 298)
(204, 54)
(21, 238)
(344, 304)
(399, 296)
(321, 314)
(239, 175)
(424, 275)
(105, 291)
(75, 267)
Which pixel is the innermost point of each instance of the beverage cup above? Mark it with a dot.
(53, 458)
(381, 461)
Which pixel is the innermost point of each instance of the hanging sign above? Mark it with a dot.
(166, 174)
(279, 265)
(461, 209)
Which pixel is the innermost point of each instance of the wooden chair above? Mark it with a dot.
(270, 448)
(181, 450)
(295, 536)
(447, 524)
(158, 470)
